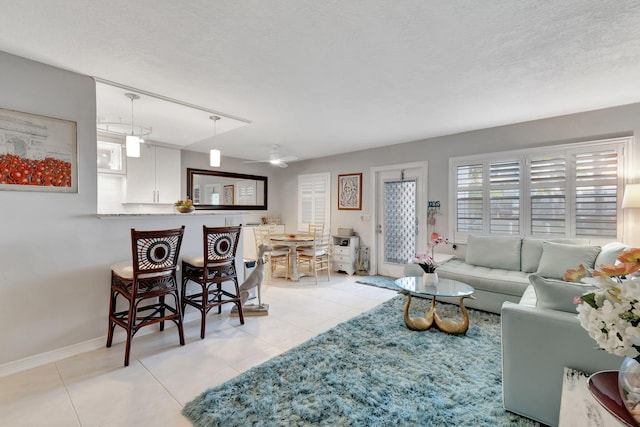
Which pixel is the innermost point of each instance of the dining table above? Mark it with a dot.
(293, 241)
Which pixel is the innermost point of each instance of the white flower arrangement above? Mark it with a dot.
(611, 313)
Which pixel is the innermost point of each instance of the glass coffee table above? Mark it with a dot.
(444, 288)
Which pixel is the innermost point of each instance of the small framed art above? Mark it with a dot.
(350, 191)
(228, 194)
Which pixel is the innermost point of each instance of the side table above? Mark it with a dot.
(604, 388)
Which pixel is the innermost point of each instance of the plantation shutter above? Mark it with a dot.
(548, 192)
(504, 197)
(570, 190)
(469, 205)
(596, 193)
(246, 193)
(313, 200)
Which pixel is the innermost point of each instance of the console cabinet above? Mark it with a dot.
(344, 253)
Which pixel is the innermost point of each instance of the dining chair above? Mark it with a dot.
(209, 271)
(144, 283)
(312, 229)
(279, 256)
(318, 257)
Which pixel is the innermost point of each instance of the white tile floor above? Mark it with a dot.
(94, 389)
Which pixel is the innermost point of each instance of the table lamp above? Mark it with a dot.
(631, 198)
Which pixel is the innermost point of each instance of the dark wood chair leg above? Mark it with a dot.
(130, 330)
(162, 311)
(112, 324)
(238, 302)
(183, 300)
(180, 319)
(203, 311)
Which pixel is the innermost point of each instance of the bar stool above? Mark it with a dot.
(151, 275)
(218, 261)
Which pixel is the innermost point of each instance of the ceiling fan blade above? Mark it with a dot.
(275, 158)
(288, 159)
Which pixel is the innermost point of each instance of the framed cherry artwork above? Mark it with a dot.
(37, 153)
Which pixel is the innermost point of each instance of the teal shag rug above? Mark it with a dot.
(371, 371)
(379, 281)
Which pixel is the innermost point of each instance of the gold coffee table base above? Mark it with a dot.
(431, 318)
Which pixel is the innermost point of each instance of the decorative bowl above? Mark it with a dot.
(185, 209)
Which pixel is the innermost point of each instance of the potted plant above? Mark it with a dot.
(184, 206)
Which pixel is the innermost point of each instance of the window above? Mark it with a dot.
(313, 200)
(111, 157)
(562, 191)
(247, 194)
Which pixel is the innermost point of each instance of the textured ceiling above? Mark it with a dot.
(321, 78)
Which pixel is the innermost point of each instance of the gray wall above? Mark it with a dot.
(55, 252)
(600, 124)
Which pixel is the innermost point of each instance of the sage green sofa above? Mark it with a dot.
(498, 267)
(541, 335)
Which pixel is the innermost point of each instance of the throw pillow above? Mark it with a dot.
(494, 252)
(559, 257)
(609, 253)
(532, 251)
(556, 294)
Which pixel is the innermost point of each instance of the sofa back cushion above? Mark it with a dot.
(556, 294)
(559, 257)
(532, 251)
(494, 252)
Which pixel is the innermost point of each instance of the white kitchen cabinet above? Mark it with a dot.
(344, 253)
(154, 177)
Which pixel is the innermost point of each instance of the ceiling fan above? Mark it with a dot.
(276, 158)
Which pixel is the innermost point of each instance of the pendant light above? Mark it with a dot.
(214, 155)
(132, 141)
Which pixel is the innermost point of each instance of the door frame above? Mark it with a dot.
(422, 211)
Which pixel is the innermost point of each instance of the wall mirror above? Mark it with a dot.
(226, 190)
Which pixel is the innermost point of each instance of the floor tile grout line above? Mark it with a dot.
(160, 384)
(66, 389)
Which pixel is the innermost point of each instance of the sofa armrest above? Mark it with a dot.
(537, 344)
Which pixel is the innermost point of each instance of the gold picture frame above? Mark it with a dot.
(228, 194)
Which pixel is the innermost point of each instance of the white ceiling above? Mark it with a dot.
(327, 77)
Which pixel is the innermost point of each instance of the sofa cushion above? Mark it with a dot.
(557, 294)
(559, 257)
(494, 252)
(532, 251)
(609, 253)
(499, 281)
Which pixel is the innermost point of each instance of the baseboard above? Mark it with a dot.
(52, 356)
